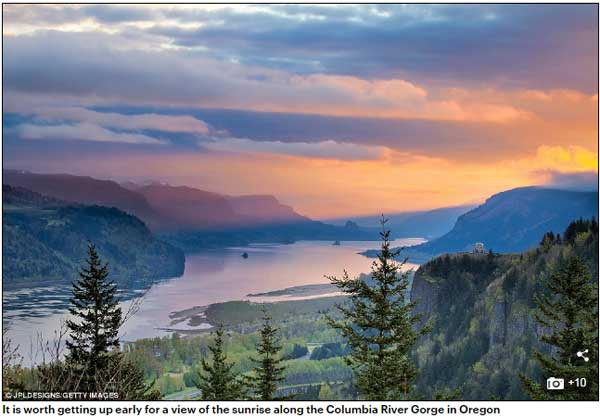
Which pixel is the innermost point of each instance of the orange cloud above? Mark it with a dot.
(381, 98)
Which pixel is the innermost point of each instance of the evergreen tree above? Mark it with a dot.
(93, 362)
(219, 383)
(269, 369)
(569, 309)
(94, 332)
(379, 326)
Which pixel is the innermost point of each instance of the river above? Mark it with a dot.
(210, 276)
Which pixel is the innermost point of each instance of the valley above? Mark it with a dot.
(484, 329)
(205, 273)
(210, 276)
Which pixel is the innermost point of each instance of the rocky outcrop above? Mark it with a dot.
(498, 324)
(425, 292)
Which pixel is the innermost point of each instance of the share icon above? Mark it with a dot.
(582, 354)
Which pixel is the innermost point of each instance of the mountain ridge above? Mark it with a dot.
(161, 206)
(84, 190)
(429, 224)
(509, 221)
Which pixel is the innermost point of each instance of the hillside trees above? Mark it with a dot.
(218, 381)
(569, 309)
(269, 370)
(379, 327)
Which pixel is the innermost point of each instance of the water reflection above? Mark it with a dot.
(210, 276)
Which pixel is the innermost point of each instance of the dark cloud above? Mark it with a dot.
(87, 66)
(49, 14)
(456, 141)
(459, 141)
(535, 46)
(80, 64)
(526, 46)
(116, 14)
(572, 181)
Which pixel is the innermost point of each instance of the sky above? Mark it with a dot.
(337, 110)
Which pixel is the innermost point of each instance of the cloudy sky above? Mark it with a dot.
(336, 110)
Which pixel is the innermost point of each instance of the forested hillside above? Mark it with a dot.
(188, 218)
(482, 307)
(45, 240)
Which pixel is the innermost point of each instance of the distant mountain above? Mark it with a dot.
(84, 190)
(511, 221)
(190, 218)
(264, 209)
(516, 219)
(423, 224)
(161, 206)
(45, 240)
(183, 207)
(430, 224)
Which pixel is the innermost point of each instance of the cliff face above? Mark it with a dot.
(426, 292)
(482, 309)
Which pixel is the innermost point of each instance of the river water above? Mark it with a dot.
(210, 276)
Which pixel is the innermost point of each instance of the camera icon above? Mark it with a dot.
(555, 383)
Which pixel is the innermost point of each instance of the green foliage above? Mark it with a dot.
(569, 310)
(218, 382)
(379, 327)
(297, 351)
(157, 354)
(169, 383)
(269, 370)
(121, 376)
(329, 350)
(485, 331)
(13, 374)
(326, 394)
(94, 332)
(578, 227)
(235, 313)
(46, 240)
